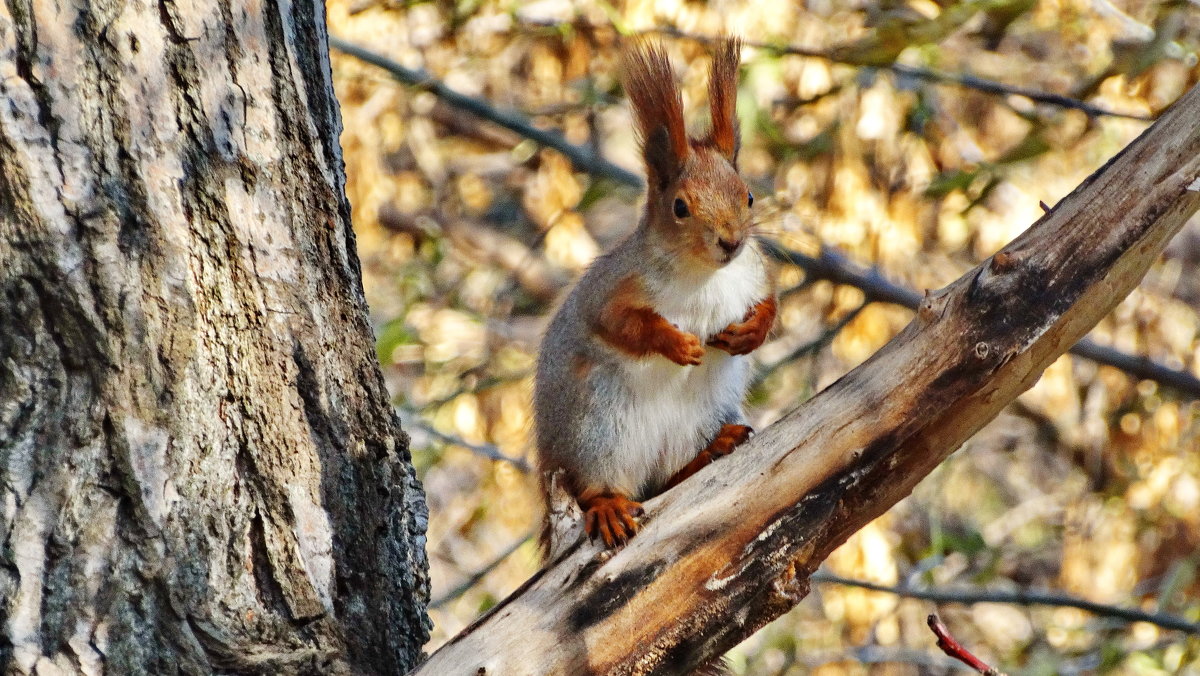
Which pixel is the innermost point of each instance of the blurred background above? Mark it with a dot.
(903, 140)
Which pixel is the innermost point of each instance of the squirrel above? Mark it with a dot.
(642, 372)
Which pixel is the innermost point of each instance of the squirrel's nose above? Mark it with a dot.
(728, 245)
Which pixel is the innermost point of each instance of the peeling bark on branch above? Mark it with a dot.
(732, 548)
(199, 465)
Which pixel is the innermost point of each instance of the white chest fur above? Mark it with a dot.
(705, 304)
(672, 409)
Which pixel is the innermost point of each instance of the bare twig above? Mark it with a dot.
(993, 87)
(478, 575)
(955, 649)
(1141, 367)
(832, 266)
(1018, 598)
(874, 654)
(482, 385)
(813, 346)
(582, 158)
(413, 421)
(525, 265)
(964, 80)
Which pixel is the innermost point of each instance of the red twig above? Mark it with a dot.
(954, 649)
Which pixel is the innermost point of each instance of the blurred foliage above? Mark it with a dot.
(468, 233)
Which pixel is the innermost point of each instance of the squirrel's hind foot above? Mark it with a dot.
(728, 438)
(611, 516)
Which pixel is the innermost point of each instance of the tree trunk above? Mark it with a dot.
(201, 467)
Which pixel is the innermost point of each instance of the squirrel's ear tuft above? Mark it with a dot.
(722, 98)
(658, 111)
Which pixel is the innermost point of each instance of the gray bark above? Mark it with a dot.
(199, 464)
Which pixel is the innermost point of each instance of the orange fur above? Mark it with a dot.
(728, 438)
(630, 325)
(722, 98)
(657, 109)
(745, 336)
(609, 515)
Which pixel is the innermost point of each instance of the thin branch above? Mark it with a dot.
(582, 158)
(1142, 367)
(490, 451)
(832, 266)
(813, 346)
(993, 87)
(478, 575)
(956, 650)
(964, 80)
(874, 654)
(483, 385)
(1018, 598)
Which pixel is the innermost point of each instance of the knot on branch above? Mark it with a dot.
(996, 278)
(982, 349)
(933, 305)
(1002, 262)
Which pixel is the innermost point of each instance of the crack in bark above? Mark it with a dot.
(270, 594)
(27, 42)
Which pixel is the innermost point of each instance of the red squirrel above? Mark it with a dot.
(642, 372)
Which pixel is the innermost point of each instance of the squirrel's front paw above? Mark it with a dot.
(611, 516)
(738, 339)
(684, 349)
(745, 336)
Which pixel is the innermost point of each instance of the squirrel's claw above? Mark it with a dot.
(739, 338)
(745, 336)
(611, 516)
(684, 349)
(728, 438)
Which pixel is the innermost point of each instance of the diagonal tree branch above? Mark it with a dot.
(993, 87)
(582, 158)
(829, 265)
(832, 266)
(732, 548)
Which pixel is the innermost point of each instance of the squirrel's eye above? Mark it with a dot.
(681, 209)
(750, 199)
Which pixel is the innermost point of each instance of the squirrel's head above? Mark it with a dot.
(694, 194)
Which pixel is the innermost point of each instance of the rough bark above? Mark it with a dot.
(200, 466)
(732, 548)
